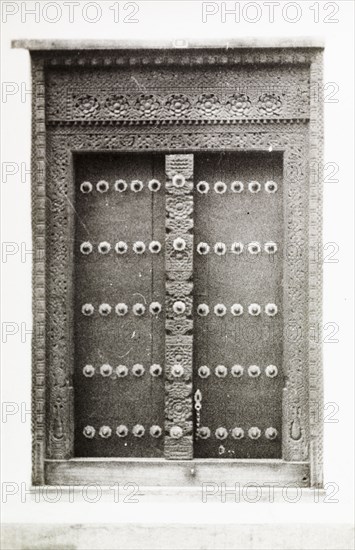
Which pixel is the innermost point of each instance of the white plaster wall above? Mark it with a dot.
(174, 20)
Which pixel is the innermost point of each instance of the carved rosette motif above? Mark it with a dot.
(179, 286)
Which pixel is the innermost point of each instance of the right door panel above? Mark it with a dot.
(238, 323)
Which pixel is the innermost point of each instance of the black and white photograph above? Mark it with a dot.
(177, 261)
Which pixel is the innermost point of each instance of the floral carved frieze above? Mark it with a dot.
(204, 96)
(150, 106)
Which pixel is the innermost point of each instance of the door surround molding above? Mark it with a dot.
(288, 119)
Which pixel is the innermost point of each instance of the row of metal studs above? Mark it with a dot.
(120, 185)
(237, 433)
(121, 247)
(155, 308)
(202, 187)
(122, 431)
(121, 309)
(155, 431)
(138, 370)
(139, 247)
(237, 248)
(220, 187)
(237, 309)
(237, 371)
(121, 371)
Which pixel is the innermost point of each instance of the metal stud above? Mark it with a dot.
(177, 371)
(106, 370)
(254, 432)
(220, 310)
(155, 431)
(105, 309)
(179, 307)
(89, 432)
(203, 248)
(138, 370)
(254, 248)
(121, 247)
(221, 433)
(203, 310)
(271, 433)
(220, 249)
(155, 370)
(271, 310)
(237, 310)
(136, 186)
(87, 309)
(154, 185)
(104, 247)
(237, 371)
(254, 371)
(204, 371)
(176, 432)
(238, 433)
(203, 187)
(254, 187)
(271, 187)
(86, 187)
(271, 371)
(220, 187)
(121, 186)
(237, 186)
(122, 430)
(204, 432)
(155, 308)
(254, 309)
(138, 309)
(139, 247)
(138, 430)
(179, 180)
(237, 248)
(105, 432)
(155, 247)
(102, 186)
(121, 371)
(86, 248)
(221, 371)
(270, 248)
(121, 309)
(88, 371)
(179, 244)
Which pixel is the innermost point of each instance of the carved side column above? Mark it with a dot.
(39, 267)
(295, 396)
(179, 307)
(316, 270)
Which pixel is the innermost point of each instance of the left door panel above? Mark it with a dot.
(119, 303)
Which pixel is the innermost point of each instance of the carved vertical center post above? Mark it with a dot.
(179, 307)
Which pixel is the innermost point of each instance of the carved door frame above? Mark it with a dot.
(298, 137)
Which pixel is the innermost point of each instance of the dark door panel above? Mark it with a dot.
(112, 391)
(241, 396)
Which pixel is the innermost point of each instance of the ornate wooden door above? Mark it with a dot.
(178, 305)
(230, 366)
